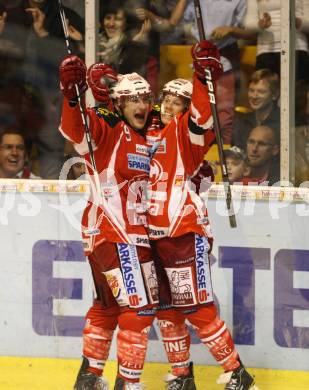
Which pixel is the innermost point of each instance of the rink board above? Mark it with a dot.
(260, 273)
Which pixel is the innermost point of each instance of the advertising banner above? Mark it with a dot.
(260, 273)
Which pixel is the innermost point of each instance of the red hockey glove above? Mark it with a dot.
(72, 71)
(206, 55)
(99, 77)
(203, 178)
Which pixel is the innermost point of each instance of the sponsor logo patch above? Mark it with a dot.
(202, 268)
(156, 146)
(132, 275)
(151, 281)
(91, 232)
(178, 180)
(108, 189)
(161, 148)
(142, 241)
(202, 220)
(115, 282)
(156, 232)
(143, 149)
(146, 312)
(182, 287)
(138, 163)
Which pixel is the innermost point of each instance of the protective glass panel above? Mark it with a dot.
(32, 46)
(301, 156)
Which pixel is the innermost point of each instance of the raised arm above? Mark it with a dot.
(205, 56)
(72, 74)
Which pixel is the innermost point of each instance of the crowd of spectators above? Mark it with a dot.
(129, 38)
(31, 48)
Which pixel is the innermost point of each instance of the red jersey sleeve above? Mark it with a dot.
(72, 127)
(200, 111)
(195, 128)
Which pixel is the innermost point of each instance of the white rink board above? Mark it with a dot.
(260, 274)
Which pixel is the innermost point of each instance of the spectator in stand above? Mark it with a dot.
(189, 24)
(222, 21)
(237, 167)
(163, 21)
(3, 15)
(264, 19)
(77, 165)
(263, 148)
(11, 46)
(302, 133)
(301, 155)
(166, 18)
(125, 50)
(37, 24)
(263, 94)
(13, 156)
(302, 103)
(35, 28)
(140, 11)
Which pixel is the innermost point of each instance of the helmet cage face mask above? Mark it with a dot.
(145, 98)
(179, 87)
(131, 86)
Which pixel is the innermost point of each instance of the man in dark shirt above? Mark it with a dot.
(263, 156)
(263, 93)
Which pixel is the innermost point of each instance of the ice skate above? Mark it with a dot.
(183, 382)
(121, 384)
(89, 381)
(238, 379)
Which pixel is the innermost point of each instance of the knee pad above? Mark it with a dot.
(172, 327)
(136, 321)
(105, 318)
(203, 316)
(173, 315)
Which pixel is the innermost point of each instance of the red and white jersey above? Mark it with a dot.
(122, 161)
(174, 207)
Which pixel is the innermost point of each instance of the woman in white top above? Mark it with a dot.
(264, 19)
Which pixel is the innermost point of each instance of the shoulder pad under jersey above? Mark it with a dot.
(110, 117)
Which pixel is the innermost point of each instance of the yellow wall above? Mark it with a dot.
(175, 61)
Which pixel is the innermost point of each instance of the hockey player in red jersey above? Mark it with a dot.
(176, 97)
(114, 231)
(179, 227)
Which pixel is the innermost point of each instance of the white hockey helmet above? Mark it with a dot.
(130, 84)
(179, 87)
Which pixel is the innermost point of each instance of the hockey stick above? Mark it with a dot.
(81, 108)
(213, 106)
(100, 198)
